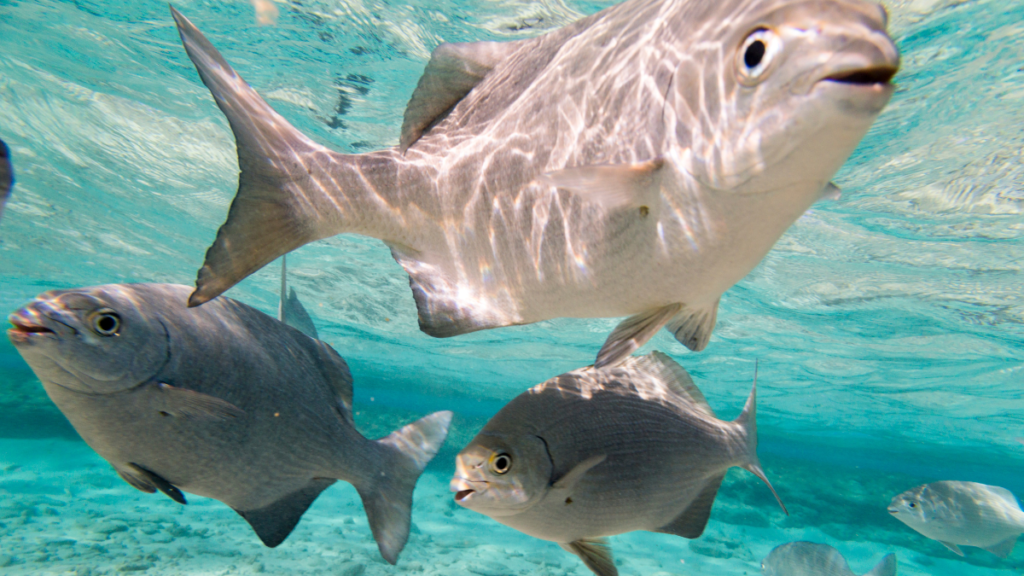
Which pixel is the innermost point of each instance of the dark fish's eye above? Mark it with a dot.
(106, 323)
(755, 52)
(501, 463)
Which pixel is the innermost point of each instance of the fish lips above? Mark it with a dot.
(30, 326)
(465, 489)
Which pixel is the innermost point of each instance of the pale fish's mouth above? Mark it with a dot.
(465, 489)
(869, 77)
(893, 510)
(27, 326)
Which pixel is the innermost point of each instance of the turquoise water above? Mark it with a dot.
(889, 325)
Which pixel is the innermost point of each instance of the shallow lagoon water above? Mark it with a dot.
(889, 325)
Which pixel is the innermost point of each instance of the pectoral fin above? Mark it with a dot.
(612, 186)
(1003, 549)
(149, 482)
(956, 549)
(275, 522)
(692, 327)
(632, 333)
(190, 405)
(595, 553)
(570, 479)
(693, 520)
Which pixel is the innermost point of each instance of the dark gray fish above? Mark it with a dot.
(598, 452)
(290, 310)
(221, 401)
(638, 162)
(962, 514)
(6, 176)
(810, 559)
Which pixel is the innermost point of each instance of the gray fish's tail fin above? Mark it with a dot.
(272, 212)
(388, 498)
(748, 421)
(887, 567)
(6, 175)
(290, 310)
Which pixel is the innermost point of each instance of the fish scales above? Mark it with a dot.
(542, 178)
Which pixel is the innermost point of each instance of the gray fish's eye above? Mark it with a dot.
(501, 463)
(756, 55)
(106, 322)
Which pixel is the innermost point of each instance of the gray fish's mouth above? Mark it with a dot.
(25, 328)
(462, 494)
(874, 76)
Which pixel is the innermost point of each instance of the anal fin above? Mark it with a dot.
(275, 522)
(595, 553)
(692, 327)
(148, 480)
(693, 520)
(632, 333)
(1003, 549)
(956, 549)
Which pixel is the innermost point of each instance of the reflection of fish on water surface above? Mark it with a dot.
(599, 452)
(6, 176)
(221, 401)
(638, 163)
(962, 514)
(811, 559)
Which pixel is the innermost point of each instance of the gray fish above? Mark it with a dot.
(598, 452)
(962, 514)
(290, 310)
(638, 162)
(6, 176)
(810, 559)
(221, 401)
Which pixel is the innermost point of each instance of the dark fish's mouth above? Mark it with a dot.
(462, 494)
(865, 76)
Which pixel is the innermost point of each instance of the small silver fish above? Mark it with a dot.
(6, 176)
(638, 162)
(221, 401)
(598, 452)
(962, 514)
(810, 559)
(290, 310)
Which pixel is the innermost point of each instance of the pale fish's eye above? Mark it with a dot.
(501, 463)
(106, 322)
(913, 504)
(756, 54)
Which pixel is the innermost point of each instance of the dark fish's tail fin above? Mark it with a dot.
(273, 211)
(388, 497)
(887, 567)
(6, 175)
(748, 421)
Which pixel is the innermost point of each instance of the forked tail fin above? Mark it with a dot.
(748, 421)
(887, 567)
(388, 498)
(273, 211)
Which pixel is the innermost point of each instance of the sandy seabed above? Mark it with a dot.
(64, 511)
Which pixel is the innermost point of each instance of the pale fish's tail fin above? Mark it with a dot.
(388, 497)
(748, 421)
(274, 210)
(887, 567)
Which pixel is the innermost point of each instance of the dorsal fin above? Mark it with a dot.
(453, 70)
(675, 379)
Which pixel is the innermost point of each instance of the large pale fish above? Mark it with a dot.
(637, 163)
(6, 176)
(221, 401)
(962, 514)
(598, 452)
(811, 559)
(290, 309)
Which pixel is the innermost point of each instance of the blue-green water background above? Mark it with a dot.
(889, 325)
